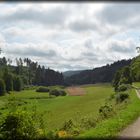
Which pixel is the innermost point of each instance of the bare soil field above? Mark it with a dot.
(75, 91)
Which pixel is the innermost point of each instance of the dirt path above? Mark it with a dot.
(75, 91)
(133, 130)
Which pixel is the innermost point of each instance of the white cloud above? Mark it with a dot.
(69, 35)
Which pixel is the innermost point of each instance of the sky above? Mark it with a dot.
(70, 36)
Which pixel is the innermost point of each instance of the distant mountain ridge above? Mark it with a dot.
(70, 73)
(97, 75)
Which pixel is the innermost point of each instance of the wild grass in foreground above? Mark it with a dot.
(111, 127)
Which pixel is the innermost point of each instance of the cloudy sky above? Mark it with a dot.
(70, 36)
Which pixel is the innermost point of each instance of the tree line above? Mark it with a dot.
(26, 72)
(97, 75)
(128, 74)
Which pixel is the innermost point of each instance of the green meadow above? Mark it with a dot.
(60, 109)
(57, 110)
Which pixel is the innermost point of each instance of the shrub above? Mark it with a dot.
(22, 124)
(57, 92)
(71, 128)
(18, 125)
(68, 125)
(106, 111)
(111, 97)
(122, 87)
(121, 96)
(62, 93)
(2, 87)
(54, 92)
(42, 89)
(87, 122)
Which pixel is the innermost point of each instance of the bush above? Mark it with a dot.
(43, 89)
(54, 92)
(122, 87)
(122, 96)
(57, 92)
(22, 124)
(87, 122)
(71, 128)
(62, 93)
(2, 87)
(106, 111)
(19, 125)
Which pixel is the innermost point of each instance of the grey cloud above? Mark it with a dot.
(82, 25)
(119, 14)
(89, 56)
(64, 66)
(29, 51)
(120, 47)
(54, 16)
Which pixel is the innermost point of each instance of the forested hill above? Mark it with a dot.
(97, 75)
(70, 73)
(29, 73)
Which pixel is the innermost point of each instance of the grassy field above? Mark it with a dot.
(112, 127)
(60, 109)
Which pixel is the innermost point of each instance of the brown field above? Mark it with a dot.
(75, 91)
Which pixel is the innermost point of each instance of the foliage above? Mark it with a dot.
(131, 72)
(52, 135)
(116, 79)
(62, 93)
(111, 127)
(64, 108)
(2, 87)
(30, 73)
(87, 122)
(57, 92)
(123, 76)
(122, 87)
(121, 96)
(135, 65)
(19, 123)
(126, 77)
(17, 83)
(106, 111)
(8, 78)
(42, 89)
(97, 75)
(71, 128)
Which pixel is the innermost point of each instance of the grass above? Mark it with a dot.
(114, 125)
(137, 84)
(60, 109)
